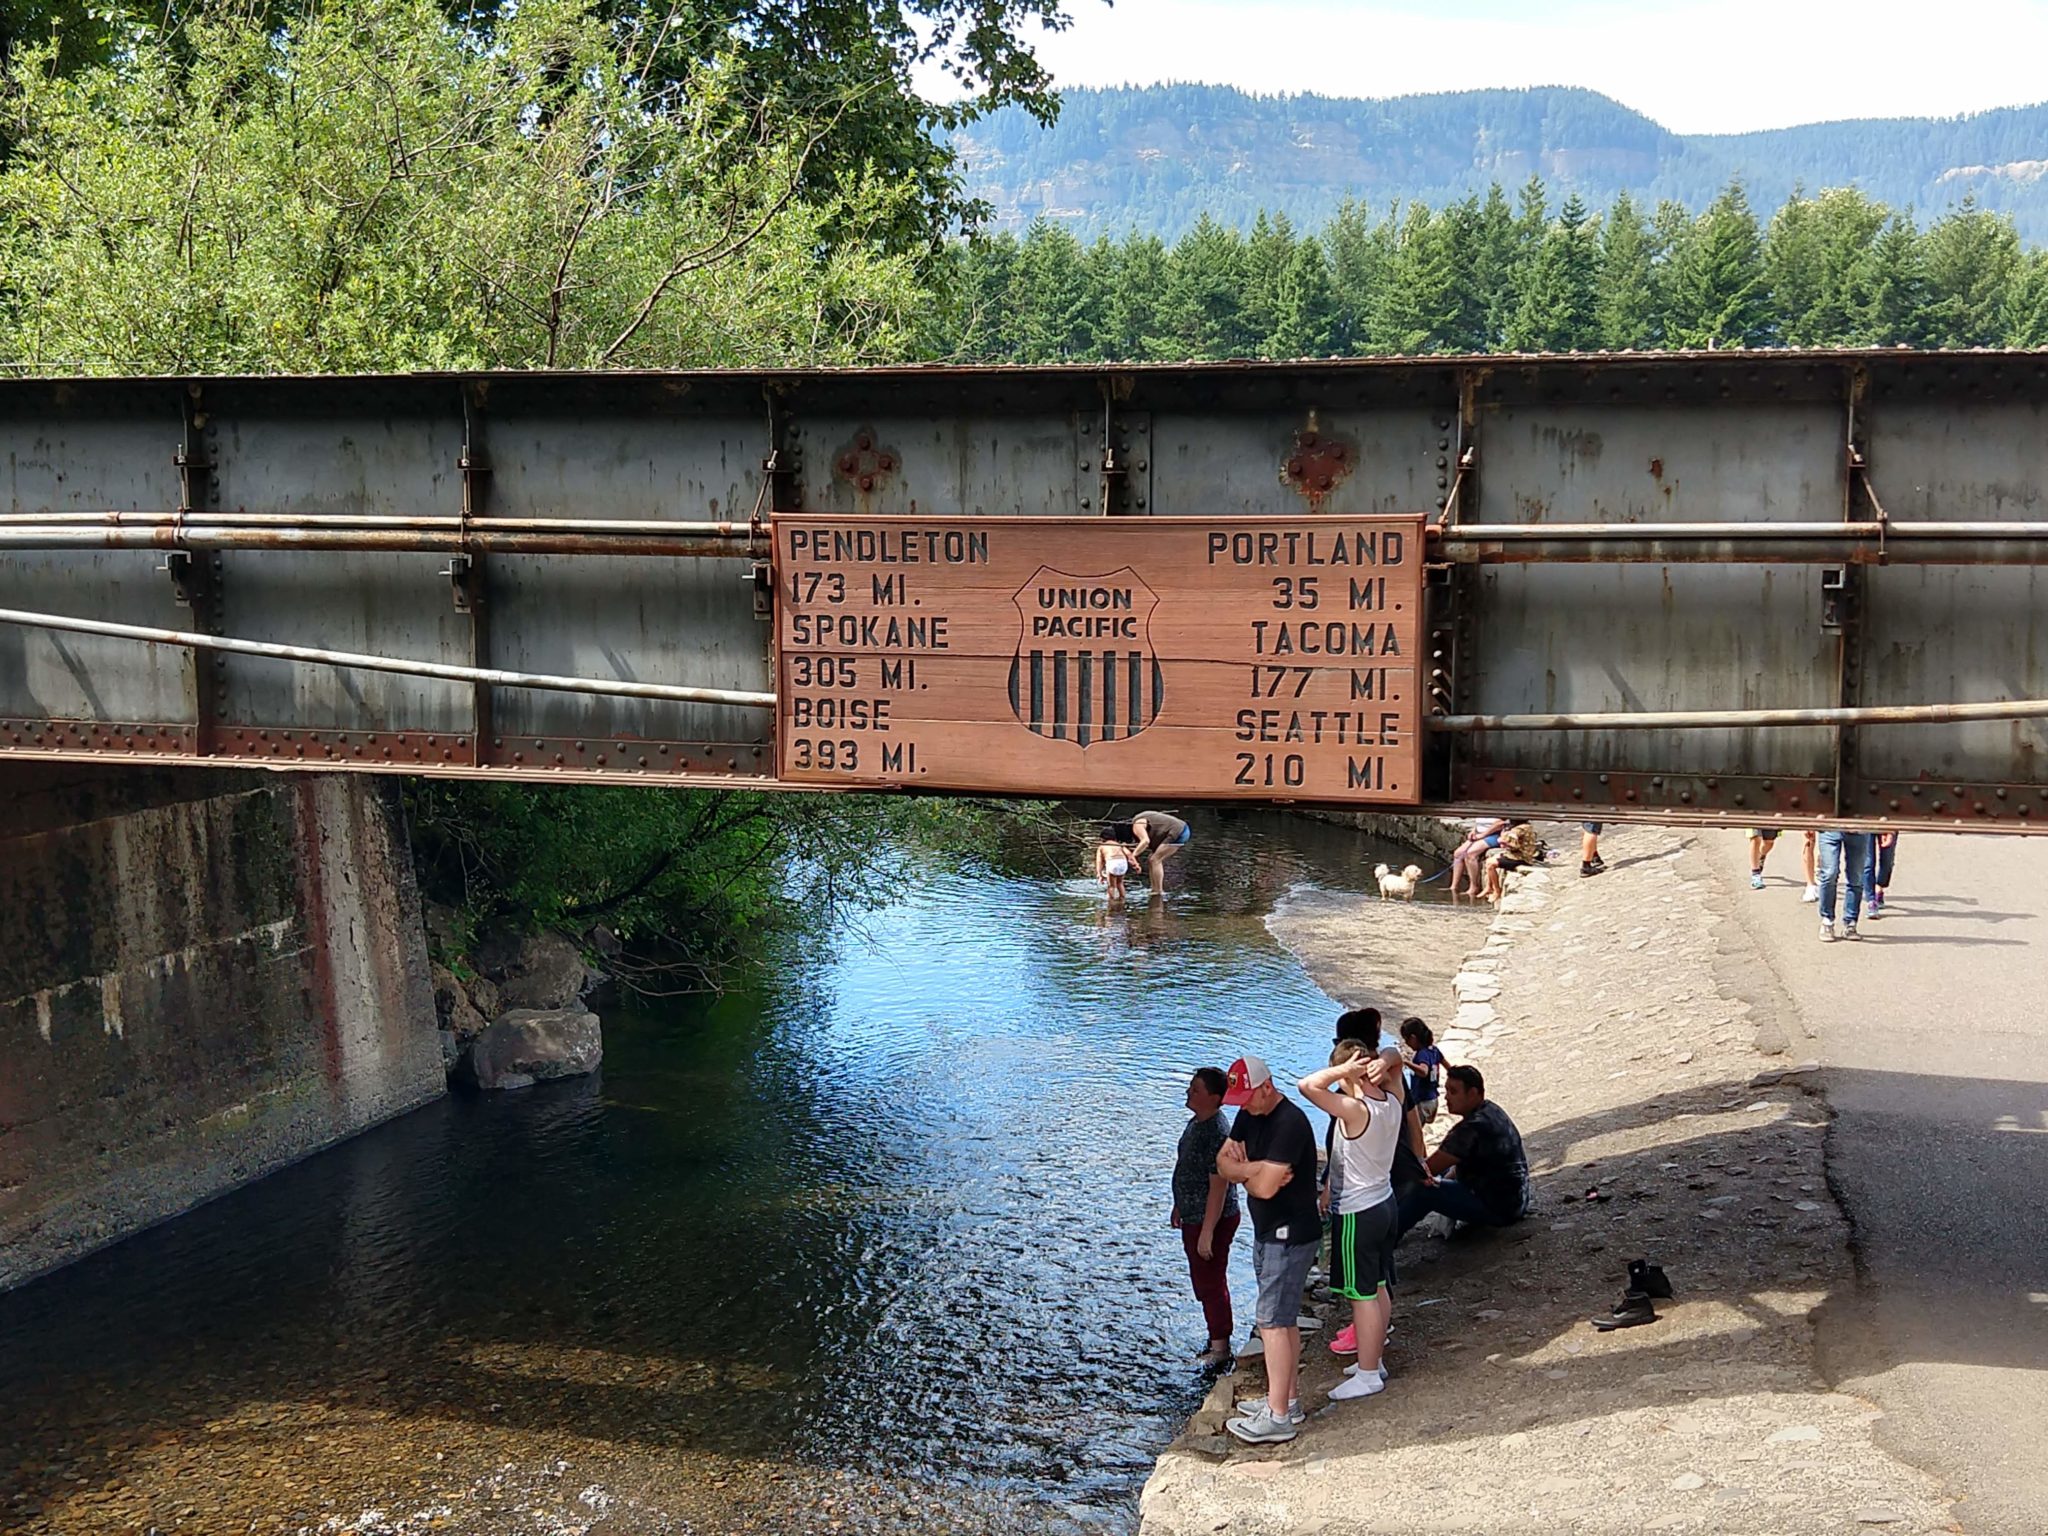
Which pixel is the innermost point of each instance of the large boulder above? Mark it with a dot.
(534, 1045)
(545, 971)
(458, 1015)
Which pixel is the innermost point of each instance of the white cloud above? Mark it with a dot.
(1696, 67)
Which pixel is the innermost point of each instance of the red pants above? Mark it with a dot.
(1210, 1276)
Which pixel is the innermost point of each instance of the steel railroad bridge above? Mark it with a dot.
(1774, 587)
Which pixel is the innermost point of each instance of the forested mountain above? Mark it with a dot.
(1156, 159)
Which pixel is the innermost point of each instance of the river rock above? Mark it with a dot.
(532, 1045)
(545, 971)
(458, 1014)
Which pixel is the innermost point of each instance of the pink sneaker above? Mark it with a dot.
(1346, 1342)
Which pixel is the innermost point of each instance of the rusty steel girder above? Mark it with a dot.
(1827, 539)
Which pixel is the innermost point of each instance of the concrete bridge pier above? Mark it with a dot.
(204, 976)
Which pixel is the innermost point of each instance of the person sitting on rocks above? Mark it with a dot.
(1519, 846)
(1480, 1175)
(1479, 842)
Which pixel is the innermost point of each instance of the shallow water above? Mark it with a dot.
(880, 1240)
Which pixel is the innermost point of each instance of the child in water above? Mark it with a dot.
(1114, 859)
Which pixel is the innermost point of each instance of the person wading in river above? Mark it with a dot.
(1362, 1094)
(1160, 837)
(1272, 1153)
(1205, 1210)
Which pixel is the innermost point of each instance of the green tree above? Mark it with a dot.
(1132, 315)
(1891, 294)
(978, 285)
(1625, 313)
(1419, 301)
(1717, 294)
(1204, 306)
(1267, 252)
(1488, 304)
(1360, 251)
(1056, 305)
(1817, 258)
(1970, 258)
(371, 188)
(2026, 303)
(1560, 296)
(1306, 323)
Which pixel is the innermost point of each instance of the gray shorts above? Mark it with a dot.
(1282, 1271)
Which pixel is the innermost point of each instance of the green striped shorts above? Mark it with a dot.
(1362, 1250)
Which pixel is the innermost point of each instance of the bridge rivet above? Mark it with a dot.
(446, 754)
(540, 746)
(643, 762)
(1546, 778)
(518, 757)
(623, 747)
(664, 751)
(1958, 791)
(600, 759)
(558, 757)
(1713, 783)
(1795, 802)
(2021, 810)
(1685, 795)
(1578, 794)
(579, 746)
(1741, 800)
(1630, 794)
(2000, 791)
(431, 742)
(1894, 804)
(1934, 805)
(1767, 785)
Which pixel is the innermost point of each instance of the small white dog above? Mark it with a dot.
(1401, 885)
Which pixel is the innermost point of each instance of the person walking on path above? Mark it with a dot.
(1761, 841)
(1480, 1174)
(1884, 852)
(1844, 865)
(1272, 1153)
(1807, 872)
(1362, 1094)
(1160, 837)
(1590, 862)
(1205, 1210)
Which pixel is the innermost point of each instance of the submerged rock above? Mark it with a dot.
(533, 1045)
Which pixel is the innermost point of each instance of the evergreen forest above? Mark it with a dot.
(1488, 274)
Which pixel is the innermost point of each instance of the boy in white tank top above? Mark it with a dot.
(1362, 1093)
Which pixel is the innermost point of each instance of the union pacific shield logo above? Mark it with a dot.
(1084, 670)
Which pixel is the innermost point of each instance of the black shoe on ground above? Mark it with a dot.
(1592, 867)
(1632, 1311)
(1648, 1278)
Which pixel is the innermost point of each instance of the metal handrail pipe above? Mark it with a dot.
(1743, 719)
(479, 538)
(318, 656)
(635, 526)
(1868, 529)
(1479, 550)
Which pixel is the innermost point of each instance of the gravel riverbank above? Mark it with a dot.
(1625, 1024)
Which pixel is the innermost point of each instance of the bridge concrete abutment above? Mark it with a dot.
(204, 976)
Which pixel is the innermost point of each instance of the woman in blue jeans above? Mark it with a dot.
(1838, 848)
(1882, 854)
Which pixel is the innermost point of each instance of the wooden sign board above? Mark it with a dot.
(1211, 658)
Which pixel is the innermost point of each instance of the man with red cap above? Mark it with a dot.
(1272, 1153)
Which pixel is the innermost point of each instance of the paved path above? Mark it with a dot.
(1933, 1033)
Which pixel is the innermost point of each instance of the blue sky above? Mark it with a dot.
(1694, 66)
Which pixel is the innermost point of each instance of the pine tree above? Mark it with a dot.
(1051, 296)
(1817, 258)
(1492, 268)
(1532, 224)
(1307, 306)
(1418, 302)
(1360, 252)
(2026, 303)
(1267, 252)
(1718, 295)
(1131, 318)
(1558, 309)
(1891, 289)
(988, 271)
(1626, 310)
(1971, 258)
(1204, 307)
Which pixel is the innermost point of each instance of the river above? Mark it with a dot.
(876, 1243)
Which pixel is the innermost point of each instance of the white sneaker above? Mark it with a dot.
(1359, 1384)
(1253, 1407)
(1811, 893)
(1260, 1429)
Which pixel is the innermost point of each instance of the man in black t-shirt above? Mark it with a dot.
(1481, 1173)
(1272, 1153)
